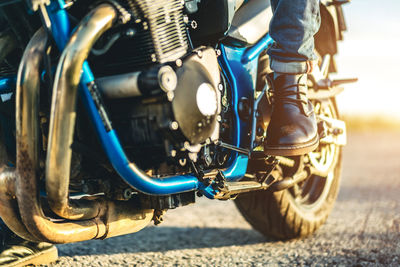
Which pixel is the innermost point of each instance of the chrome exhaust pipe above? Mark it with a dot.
(97, 219)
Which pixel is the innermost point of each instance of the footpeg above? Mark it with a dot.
(229, 190)
(334, 130)
(343, 81)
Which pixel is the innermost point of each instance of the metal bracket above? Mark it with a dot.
(232, 147)
(220, 183)
(199, 173)
(158, 216)
(34, 4)
(270, 165)
(291, 181)
(255, 115)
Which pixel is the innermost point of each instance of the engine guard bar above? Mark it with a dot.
(108, 137)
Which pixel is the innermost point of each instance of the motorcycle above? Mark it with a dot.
(125, 109)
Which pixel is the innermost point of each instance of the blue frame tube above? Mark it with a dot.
(238, 166)
(240, 65)
(253, 52)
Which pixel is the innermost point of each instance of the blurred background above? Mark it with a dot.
(370, 51)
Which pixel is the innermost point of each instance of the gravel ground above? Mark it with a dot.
(363, 229)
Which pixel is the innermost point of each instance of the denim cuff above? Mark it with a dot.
(292, 67)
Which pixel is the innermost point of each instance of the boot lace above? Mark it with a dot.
(280, 96)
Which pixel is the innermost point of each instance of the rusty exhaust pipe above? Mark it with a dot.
(63, 114)
(97, 219)
(9, 212)
(27, 128)
(8, 204)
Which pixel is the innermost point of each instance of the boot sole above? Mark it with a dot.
(44, 257)
(292, 150)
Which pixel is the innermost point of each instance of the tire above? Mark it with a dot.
(287, 214)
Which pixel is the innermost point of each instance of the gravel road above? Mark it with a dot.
(363, 229)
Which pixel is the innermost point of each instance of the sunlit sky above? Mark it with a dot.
(371, 52)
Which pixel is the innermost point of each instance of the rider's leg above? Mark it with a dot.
(15, 251)
(293, 129)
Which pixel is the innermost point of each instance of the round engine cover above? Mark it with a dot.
(196, 103)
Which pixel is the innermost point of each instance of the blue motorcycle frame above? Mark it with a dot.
(239, 66)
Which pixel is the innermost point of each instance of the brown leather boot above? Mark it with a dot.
(15, 251)
(293, 129)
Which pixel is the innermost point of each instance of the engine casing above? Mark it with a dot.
(161, 124)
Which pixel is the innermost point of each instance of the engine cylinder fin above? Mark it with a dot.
(167, 28)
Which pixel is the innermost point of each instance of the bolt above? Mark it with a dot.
(167, 78)
(130, 32)
(337, 131)
(170, 96)
(186, 145)
(182, 162)
(173, 153)
(68, 4)
(208, 160)
(128, 193)
(174, 126)
(220, 87)
(193, 24)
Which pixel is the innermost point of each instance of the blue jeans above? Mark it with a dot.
(293, 26)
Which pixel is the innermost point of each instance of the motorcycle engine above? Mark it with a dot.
(178, 105)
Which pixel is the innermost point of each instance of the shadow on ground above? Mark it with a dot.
(160, 239)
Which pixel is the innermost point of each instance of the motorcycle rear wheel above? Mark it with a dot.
(298, 211)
